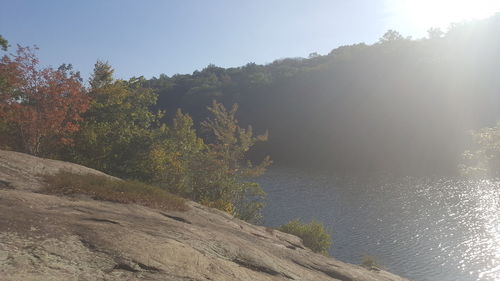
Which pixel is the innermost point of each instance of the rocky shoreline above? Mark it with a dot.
(46, 237)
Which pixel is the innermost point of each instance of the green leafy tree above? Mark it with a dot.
(121, 136)
(227, 178)
(117, 129)
(102, 76)
(172, 156)
(213, 173)
(4, 44)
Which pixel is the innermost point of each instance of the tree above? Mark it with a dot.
(117, 129)
(102, 76)
(435, 33)
(227, 177)
(173, 155)
(313, 55)
(391, 35)
(41, 106)
(4, 44)
(211, 173)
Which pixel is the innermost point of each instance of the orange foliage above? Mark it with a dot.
(42, 105)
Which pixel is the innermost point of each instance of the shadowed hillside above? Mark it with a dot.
(401, 105)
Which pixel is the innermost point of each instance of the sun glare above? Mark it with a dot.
(423, 14)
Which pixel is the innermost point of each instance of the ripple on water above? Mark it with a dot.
(421, 228)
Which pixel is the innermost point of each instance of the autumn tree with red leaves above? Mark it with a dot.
(41, 107)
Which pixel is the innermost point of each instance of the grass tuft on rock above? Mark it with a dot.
(114, 190)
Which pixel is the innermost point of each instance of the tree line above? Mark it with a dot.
(110, 126)
(400, 105)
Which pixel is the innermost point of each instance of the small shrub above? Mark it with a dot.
(108, 189)
(222, 205)
(313, 234)
(369, 262)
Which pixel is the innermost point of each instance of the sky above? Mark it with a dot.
(151, 37)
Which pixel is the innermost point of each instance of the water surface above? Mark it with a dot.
(421, 228)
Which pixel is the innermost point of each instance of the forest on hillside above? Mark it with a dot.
(400, 105)
(109, 126)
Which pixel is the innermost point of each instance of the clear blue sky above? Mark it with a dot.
(152, 37)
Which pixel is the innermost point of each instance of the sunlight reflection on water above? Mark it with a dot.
(423, 229)
(489, 211)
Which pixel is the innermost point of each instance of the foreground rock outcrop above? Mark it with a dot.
(45, 237)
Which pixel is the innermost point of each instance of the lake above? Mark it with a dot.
(421, 228)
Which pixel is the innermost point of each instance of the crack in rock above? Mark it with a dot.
(102, 220)
(6, 185)
(176, 218)
(133, 266)
(260, 268)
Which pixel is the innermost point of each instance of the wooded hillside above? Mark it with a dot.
(401, 105)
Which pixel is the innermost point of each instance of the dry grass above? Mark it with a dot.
(107, 189)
